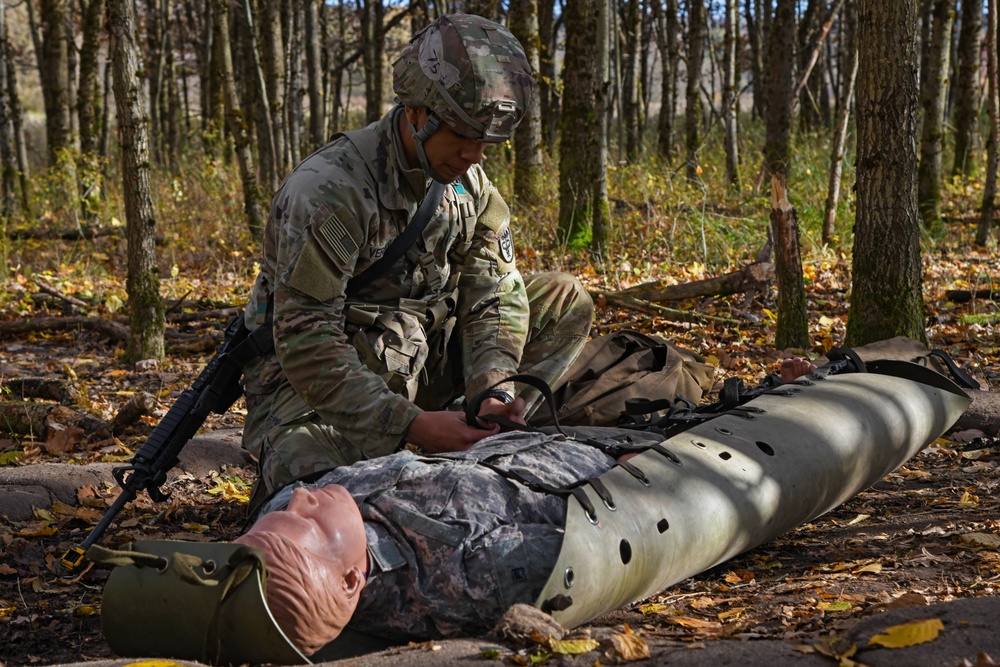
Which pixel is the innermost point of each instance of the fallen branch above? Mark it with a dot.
(65, 298)
(60, 390)
(142, 403)
(116, 329)
(964, 295)
(750, 277)
(629, 301)
(110, 328)
(41, 420)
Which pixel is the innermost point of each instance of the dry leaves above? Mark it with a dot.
(908, 634)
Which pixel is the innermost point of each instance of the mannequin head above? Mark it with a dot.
(317, 561)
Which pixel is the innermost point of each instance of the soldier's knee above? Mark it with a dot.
(560, 292)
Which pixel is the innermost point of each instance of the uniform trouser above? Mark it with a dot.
(560, 316)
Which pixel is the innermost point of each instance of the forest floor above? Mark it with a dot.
(929, 532)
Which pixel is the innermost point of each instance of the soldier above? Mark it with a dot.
(363, 366)
(452, 542)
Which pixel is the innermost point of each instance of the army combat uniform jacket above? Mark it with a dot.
(453, 541)
(340, 385)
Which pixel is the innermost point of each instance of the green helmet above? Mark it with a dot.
(469, 72)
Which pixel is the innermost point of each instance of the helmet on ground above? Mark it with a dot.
(469, 72)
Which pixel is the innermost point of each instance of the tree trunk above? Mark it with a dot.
(631, 91)
(89, 95)
(602, 109)
(20, 148)
(293, 95)
(935, 94)
(236, 123)
(779, 89)
(154, 65)
(581, 128)
(146, 321)
(752, 13)
(336, 114)
(665, 20)
(793, 321)
(849, 45)
(692, 111)
(371, 38)
(263, 118)
(967, 90)
(926, 10)
(988, 208)
(730, 95)
(548, 96)
(886, 297)
(54, 79)
(317, 118)
(529, 180)
(8, 180)
(273, 60)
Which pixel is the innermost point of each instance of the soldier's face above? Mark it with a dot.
(449, 153)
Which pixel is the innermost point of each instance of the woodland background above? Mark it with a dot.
(140, 143)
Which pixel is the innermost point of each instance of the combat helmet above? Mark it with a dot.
(470, 73)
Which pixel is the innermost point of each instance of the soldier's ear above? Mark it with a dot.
(416, 116)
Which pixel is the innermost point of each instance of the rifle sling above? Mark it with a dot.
(401, 244)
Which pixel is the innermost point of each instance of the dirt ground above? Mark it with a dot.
(927, 533)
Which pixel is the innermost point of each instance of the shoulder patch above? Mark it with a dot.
(507, 246)
(337, 239)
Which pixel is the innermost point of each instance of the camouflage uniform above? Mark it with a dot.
(453, 316)
(452, 542)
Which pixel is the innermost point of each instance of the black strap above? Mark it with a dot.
(401, 244)
(961, 377)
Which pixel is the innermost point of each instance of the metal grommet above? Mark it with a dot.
(699, 444)
(610, 504)
(723, 430)
(569, 577)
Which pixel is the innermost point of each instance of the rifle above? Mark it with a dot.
(215, 390)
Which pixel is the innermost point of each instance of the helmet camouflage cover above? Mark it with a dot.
(469, 71)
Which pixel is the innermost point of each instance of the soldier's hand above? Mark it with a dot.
(795, 367)
(446, 431)
(513, 411)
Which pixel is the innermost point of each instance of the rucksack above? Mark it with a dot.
(620, 366)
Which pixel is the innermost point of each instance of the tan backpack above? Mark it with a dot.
(620, 366)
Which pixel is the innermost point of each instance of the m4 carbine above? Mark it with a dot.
(215, 390)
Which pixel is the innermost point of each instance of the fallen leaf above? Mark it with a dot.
(873, 568)
(731, 614)
(627, 647)
(573, 646)
(987, 540)
(836, 605)
(62, 440)
(694, 623)
(982, 660)
(968, 435)
(908, 634)
(86, 610)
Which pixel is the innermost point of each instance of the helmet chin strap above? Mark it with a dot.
(422, 135)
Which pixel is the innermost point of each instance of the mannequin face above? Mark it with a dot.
(323, 521)
(448, 153)
(316, 554)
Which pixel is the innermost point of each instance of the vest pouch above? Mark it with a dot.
(395, 348)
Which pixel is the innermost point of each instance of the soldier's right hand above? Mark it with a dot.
(445, 431)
